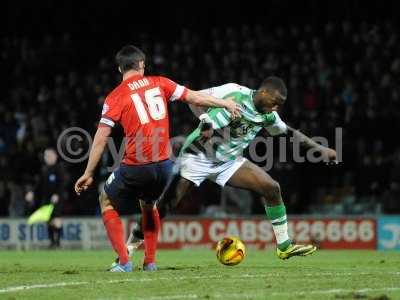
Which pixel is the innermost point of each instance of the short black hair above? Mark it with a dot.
(128, 58)
(274, 83)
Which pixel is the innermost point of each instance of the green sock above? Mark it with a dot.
(277, 216)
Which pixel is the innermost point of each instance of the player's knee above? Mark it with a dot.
(102, 198)
(272, 190)
(147, 206)
(104, 202)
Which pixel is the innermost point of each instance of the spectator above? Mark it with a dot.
(51, 189)
(337, 76)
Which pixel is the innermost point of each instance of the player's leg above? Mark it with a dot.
(135, 238)
(251, 177)
(170, 197)
(178, 189)
(50, 233)
(54, 232)
(175, 191)
(150, 214)
(168, 201)
(195, 171)
(112, 222)
(56, 223)
(150, 221)
(151, 224)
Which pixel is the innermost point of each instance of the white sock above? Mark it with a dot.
(281, 233)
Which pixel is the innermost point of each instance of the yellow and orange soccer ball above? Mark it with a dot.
(230, 251)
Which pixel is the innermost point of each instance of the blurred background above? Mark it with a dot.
(340, 61)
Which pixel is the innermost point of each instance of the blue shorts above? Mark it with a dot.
(144, 182)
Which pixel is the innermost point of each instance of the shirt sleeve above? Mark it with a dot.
(199, 111)
(172, 90)
(277, 127)
(223, 90)
(219, 117)
(111, 112)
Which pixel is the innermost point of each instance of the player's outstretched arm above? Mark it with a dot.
(328, 154)
(96, 151)
(201, 99)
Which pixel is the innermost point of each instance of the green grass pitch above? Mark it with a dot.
(196, 274)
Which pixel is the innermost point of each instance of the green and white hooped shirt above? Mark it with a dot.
(239, 133)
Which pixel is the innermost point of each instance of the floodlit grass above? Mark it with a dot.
(196, 274)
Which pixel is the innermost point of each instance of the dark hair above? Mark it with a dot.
(274, 83)
(128, 58)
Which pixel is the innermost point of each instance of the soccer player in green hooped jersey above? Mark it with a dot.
(214, 151)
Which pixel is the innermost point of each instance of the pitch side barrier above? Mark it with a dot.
(181, 232)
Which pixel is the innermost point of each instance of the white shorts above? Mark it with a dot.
(198, 168)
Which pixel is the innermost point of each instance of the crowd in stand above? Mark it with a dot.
(339, 75)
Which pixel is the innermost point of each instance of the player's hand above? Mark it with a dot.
(233, 107)
(329, 156)
(83, 183)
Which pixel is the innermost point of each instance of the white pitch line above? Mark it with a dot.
(333, 291)
(172, 297)
(249, 295)
(182, 278)
(59, 284)
(40, 286)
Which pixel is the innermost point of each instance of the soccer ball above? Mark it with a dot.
(230, 251)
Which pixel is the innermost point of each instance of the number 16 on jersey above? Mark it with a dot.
(155, 105)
